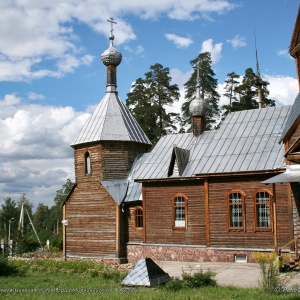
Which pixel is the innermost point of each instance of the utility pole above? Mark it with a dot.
(9, 240)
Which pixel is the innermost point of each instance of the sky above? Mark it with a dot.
(51, 74)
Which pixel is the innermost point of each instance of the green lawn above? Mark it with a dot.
(70, 286)
(83, 279)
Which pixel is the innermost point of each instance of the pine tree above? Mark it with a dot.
(231, 86)
(149, 99)
(208, 90)
(247, 95)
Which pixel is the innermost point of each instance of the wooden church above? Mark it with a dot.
(216, 195)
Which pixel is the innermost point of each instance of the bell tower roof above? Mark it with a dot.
(111, 120)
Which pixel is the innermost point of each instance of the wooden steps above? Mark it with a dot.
(293, 265)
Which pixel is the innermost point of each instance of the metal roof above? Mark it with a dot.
(116, 188)
(146, 273)
(111, 121)
(125, 190)
(295, 112)
(292, 174)
(246, 141)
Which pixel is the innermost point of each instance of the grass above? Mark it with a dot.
(78, 286)
(50, 279)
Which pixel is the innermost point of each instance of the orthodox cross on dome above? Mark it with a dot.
(111, 20)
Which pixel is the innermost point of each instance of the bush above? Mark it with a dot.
(8, 269)
(196, 280)
(269, 267)
(175, 284)
(199, 279)
(73, 266)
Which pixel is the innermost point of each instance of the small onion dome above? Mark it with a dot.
(111, 57)
(198, 107)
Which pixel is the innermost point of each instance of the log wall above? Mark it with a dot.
(295, 187)
(158, 205)
(159, 223)
(109, 160)
(91, 230)
(294, 135)
(221, 236)
(135, 234)
(97, 225)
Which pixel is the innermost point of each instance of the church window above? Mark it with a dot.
(139, 217)
(87, 162)
(236, 213)
(179, 211)
(263, 210)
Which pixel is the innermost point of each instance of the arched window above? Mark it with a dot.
(87, 163)
(138, 217)
(263, 209)
(179, 211)
(236, 210)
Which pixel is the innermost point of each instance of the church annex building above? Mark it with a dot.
(216, 195)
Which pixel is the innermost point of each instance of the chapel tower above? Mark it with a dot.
(198, 109)
(104, 150)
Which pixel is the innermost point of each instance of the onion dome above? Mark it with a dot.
(111, 56)
(198, 106)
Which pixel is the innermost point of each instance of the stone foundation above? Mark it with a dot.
(105, 260)
(187, 253)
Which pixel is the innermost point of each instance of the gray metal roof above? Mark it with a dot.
(146, 273)
(295, 112)
(292, 174)
(116, 188)
(125, 190)
(111, 121)
(246, 141)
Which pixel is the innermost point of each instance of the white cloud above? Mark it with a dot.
(36, 157)
(237, 42)
(35, 34)
(283, 89)
(8, 100)
(214, 49)
(180, 42)
(284, 53)
(137, 50)
(34, 96)
(193, 9)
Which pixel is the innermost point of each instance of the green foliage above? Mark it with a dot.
(244, 96)
(26, 243)
(46, 221)
(148, 100)
(197, 280)
(231, 86)
(78, 266)
(8, 269)
(208, 90)
(44, 282)
(269, 267)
